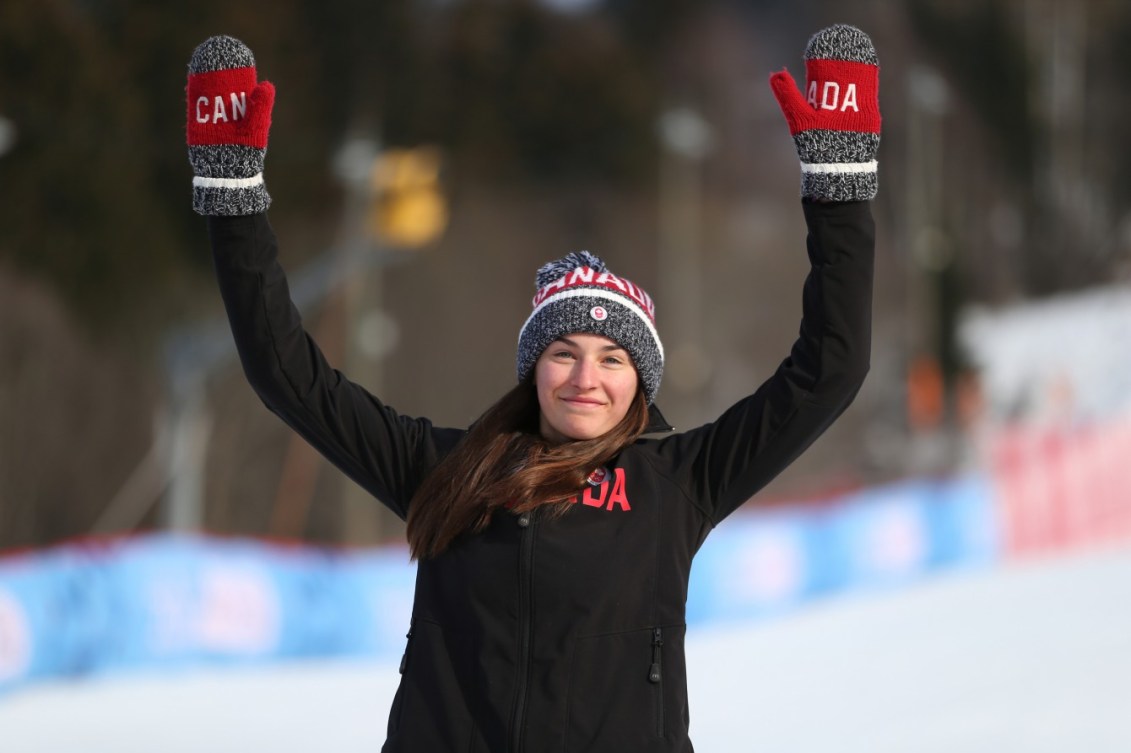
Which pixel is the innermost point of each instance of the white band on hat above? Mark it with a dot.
(840, 167)
(255, 180)
(608, 295)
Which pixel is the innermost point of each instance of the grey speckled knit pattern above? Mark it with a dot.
(836, 146)
(220, 53)
(819, 146)
(226, 160)
(572, 315)
(842, 42)
(840, 187)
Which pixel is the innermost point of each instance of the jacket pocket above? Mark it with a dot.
(433, 705)
(627, 690)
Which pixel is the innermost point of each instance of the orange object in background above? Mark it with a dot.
(926, 394)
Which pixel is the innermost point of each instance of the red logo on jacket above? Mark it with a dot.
(606, 495)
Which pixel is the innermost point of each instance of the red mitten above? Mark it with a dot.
(835, 124)
(229, 116)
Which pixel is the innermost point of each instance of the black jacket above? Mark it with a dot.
(566, 634)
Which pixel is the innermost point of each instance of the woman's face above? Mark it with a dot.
(585, 385)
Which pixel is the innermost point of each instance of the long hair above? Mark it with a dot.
(504, 462)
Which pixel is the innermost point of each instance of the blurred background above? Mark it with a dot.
(426, 156)
(506, 134)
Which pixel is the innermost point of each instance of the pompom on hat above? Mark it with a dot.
(578, 293)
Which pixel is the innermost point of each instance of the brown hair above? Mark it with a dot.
(504, 462)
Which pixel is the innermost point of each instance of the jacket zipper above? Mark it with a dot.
(525, 625)
(654, 676)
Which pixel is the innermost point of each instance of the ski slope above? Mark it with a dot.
(1030, 657)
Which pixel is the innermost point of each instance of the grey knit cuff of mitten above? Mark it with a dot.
(228, 180)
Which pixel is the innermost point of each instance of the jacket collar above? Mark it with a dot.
(657, 424)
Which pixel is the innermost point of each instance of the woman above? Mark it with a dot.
(554, 540)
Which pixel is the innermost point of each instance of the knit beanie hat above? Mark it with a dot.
(578, 293)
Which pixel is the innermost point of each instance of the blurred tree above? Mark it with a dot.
(526, 93)
(82, 215)
(97, 206)
(1040, 77)
(518, 96)
(514, 90)
(995, 81)
(74, 419)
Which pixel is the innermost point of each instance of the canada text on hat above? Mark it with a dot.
(589, 277)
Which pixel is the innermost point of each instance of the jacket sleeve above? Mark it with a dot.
(387, 454)
(724, 463)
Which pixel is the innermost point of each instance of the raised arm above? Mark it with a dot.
(835, 128)
(229, 115)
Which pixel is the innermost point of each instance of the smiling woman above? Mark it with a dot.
(586, 384)
(589, 363)
(555, 538)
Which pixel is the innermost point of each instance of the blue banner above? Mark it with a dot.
(763, 562)
(163, 601)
